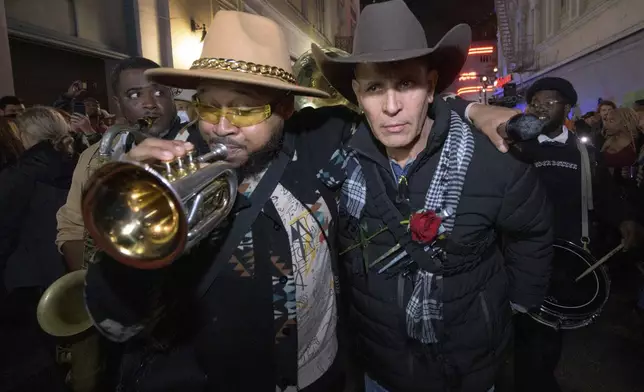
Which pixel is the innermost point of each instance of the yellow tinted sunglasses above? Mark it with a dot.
(239, 117)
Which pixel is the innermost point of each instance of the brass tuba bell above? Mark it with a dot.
(61, 310)
(147, 215)
(308, 74)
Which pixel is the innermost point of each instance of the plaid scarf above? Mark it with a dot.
(425, 307)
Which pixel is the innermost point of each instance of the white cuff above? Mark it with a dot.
(516, 308)
(467, 112)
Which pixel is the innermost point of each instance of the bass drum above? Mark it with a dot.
(570, 304)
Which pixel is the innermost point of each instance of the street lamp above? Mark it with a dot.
(486, 81)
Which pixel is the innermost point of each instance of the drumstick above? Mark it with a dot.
(600, 262)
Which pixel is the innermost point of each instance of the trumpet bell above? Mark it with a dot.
(136, 215)
(61, 310)
(139, 220)
(308, 74)
(146, 216)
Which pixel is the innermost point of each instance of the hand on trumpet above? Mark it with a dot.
(152, 149)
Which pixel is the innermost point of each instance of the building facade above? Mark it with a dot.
(596, 44)
(46, 45)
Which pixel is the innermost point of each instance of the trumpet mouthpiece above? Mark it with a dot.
(145, 122)
(219, 151)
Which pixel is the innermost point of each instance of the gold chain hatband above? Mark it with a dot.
(245, 67)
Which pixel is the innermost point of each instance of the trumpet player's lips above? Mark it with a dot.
(233, 148)
(394, 128)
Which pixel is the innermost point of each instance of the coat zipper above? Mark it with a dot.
(488, 321)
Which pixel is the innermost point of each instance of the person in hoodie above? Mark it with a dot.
(32, 191)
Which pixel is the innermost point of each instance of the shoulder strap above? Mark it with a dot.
(392, 218)
(245, 218)
(586, 192)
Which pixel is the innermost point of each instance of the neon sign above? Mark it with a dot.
(473, 89)
(481, 50)
(503, 80)
(467, 76)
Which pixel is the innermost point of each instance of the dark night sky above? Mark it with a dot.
(441, 15)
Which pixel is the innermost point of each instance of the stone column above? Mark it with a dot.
(536, 24)
(149, 30)
(6, 72)
(165, 33)
(575, 9)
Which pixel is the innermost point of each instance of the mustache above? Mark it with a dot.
(225, 141)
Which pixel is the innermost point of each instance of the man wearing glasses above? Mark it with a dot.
(560, 159)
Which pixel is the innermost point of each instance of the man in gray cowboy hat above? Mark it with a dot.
(440, 232)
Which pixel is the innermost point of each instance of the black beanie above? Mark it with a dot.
(562, 86)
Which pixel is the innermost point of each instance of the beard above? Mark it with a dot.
(257, 161)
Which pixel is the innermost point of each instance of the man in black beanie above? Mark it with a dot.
(560, 159)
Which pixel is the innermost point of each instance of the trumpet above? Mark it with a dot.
(147, 215)
(132, 134)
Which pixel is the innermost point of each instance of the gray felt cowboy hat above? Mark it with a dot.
(388, 32)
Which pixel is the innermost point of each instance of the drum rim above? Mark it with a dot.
(565, 322)
(581, 253)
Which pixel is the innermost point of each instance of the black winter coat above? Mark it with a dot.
(31, 192)
(501, 201)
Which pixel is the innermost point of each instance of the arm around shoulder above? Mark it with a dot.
(525, 222)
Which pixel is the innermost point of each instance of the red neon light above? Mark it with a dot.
(481, 48)
(503, 80)
(472, 89)
(468, 76)
(471, 53)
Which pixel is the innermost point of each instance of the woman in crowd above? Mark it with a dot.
(620, 150)
(10, 146)
(32, 191)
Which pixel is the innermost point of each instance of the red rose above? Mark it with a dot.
(424, 226)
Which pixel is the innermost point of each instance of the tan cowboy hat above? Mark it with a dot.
(241, 48)
(388, 32)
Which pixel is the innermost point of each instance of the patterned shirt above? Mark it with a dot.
(308, 297)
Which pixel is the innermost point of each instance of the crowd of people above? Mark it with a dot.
(438, 230)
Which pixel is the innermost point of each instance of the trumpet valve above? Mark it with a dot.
(191, 162)
(180, 167)
(169, 171)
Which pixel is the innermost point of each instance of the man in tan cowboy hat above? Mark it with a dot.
(267, 316)
(425, 200)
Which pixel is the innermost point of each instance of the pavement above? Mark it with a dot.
(608, 356)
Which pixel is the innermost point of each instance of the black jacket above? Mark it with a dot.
(31, 193)
(559, 168)
(501, 200)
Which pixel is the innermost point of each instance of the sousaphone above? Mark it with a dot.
(308, 74)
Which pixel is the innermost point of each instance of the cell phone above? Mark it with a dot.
(79, 107)
(84, 85)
